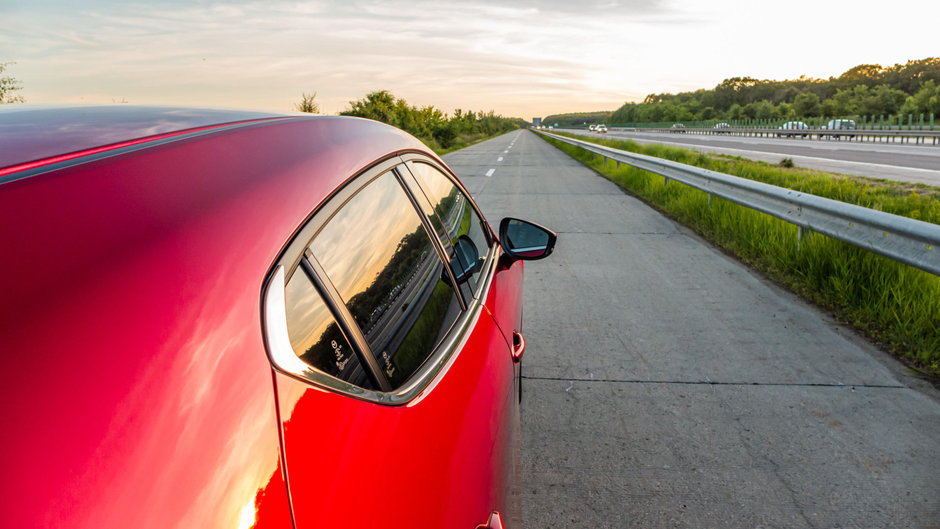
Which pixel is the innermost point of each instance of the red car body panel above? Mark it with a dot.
(449, 442)
(137, 389)
(505, 301)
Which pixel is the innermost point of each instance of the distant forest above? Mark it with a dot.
(865, 90)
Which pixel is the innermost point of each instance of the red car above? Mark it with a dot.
(231, 319)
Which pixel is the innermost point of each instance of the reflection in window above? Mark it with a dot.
(459, 219)
(379, 257)
(315, 336)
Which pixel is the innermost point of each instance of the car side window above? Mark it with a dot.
(315, 336)
(381, 261)
(470, 238)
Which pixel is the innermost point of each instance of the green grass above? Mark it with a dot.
(895, 304)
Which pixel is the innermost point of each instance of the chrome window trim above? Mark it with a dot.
(281, 353)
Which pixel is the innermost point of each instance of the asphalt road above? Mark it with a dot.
(667, 385)
(906, 163)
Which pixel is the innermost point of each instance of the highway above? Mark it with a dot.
(906, 163)
(668, 385)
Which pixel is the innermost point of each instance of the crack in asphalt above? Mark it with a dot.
(719, 383)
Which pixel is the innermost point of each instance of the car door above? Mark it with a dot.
(395, 385)
(503, 298)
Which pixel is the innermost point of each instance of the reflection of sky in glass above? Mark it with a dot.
(307, 314)
(361, 239)
(438, 187)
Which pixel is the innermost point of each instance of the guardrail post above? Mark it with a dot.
(800, 231)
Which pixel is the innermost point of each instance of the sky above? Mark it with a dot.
(524, 58)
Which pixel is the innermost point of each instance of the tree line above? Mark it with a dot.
(431, 125)
(867, 89)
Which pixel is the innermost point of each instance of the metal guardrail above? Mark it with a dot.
(887, 135)
(909, 241)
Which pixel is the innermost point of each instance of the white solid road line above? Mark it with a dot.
(490, 172)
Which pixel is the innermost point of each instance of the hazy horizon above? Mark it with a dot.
(529, 59)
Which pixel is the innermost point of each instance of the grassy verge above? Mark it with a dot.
(892, 303)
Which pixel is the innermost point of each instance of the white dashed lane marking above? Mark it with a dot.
(490, 172)
(499, 159)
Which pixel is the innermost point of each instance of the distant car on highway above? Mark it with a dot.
(677, 127)
(722, 127)
(219, 318)
(793, 126)
(600, 128)
(839, 124)
(592, 128)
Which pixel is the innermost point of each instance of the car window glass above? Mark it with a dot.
(315, 336)
(460, 220)
(386, 269)
(425, 204)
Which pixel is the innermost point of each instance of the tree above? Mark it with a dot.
(428, 123)
(760, 110)
(8, 85)
(926, 100)
(880, 100)
(308, 104)
(806, 105)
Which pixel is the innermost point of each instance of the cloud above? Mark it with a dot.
(522, 58)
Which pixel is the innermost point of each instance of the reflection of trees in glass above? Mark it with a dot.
(446, 204)
(399, 269)
(322, 355)
(423, 336)
(333, 355)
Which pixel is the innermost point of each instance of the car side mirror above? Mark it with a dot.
(524, 240)
(465, 259)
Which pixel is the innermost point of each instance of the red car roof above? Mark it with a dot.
(40, 132)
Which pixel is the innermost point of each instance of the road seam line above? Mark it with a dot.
(717, 383)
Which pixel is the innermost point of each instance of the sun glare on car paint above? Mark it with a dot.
(246, 520)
